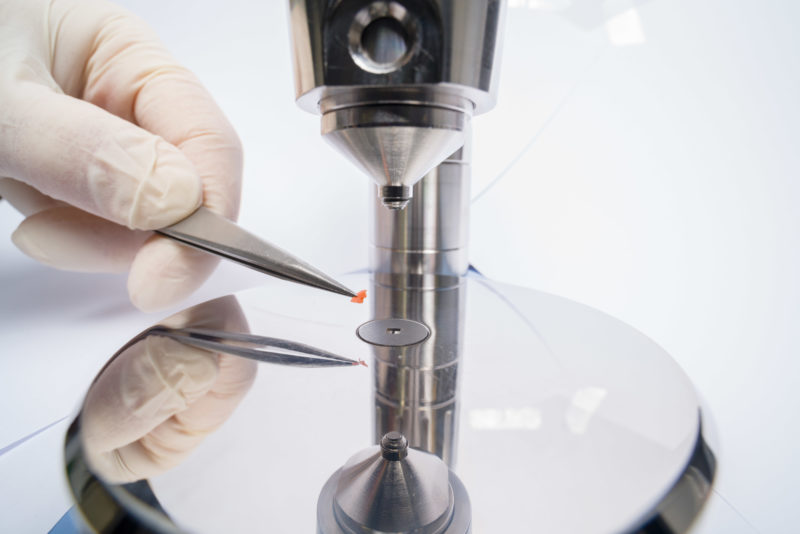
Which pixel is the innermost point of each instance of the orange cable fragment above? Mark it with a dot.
(359, 298)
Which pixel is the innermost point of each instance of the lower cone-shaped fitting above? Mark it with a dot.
(391, 488)
(395, 144)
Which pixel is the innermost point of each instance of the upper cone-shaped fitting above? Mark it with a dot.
(392, 488)
(395, 144)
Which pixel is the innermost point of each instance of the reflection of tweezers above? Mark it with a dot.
(215, 234)
(261, 348)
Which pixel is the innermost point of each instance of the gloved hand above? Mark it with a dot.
(103, 136)
(158, 399)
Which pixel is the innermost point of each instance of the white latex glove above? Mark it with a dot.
(103, 136)
(158, 399)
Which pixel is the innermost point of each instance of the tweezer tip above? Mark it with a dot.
(347, 291)
(342, 290)
(312, 277)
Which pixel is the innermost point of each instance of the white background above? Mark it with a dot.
(642, 159)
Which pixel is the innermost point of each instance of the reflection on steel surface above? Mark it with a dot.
(515, 393)
(158, 398)
(254, 347)
(416, 386)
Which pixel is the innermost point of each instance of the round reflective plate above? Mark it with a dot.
(556, 417)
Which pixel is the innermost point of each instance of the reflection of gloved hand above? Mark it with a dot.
(158, 399)
(103, 135)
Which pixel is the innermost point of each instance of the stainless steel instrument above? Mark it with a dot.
(212, 233)
(254, 347)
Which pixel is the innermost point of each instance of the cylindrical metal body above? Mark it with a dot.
(451, 50)
(419, 256)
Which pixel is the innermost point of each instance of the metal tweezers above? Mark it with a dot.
(254, 347)
(215, 234)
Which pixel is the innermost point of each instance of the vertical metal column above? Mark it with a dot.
(418, 258)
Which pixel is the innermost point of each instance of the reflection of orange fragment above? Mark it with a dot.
(360, 297)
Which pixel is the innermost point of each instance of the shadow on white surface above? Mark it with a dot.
(34, 491)
(34, 293)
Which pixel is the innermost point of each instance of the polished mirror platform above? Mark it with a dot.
(555, 417)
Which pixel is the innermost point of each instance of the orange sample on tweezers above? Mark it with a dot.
(359, 298)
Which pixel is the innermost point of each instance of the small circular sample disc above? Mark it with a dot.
(393, 332)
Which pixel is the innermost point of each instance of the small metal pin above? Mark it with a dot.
(394, 446)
